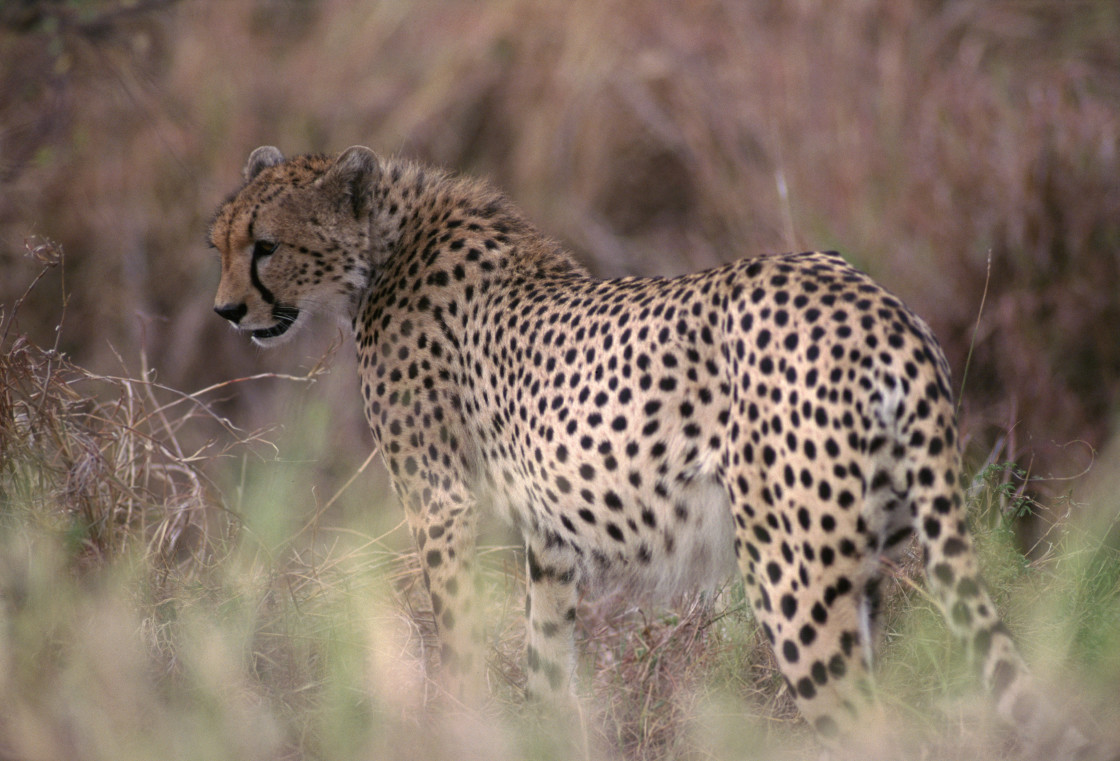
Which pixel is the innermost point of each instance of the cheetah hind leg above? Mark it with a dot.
(550, 607)
(816, 634)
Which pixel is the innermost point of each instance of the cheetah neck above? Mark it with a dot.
(453, 232)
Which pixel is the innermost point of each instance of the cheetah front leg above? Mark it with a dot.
(443, 528)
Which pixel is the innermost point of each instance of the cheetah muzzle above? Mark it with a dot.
(783, 415)
(285, 317)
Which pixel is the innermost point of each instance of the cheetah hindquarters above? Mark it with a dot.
(812, 574)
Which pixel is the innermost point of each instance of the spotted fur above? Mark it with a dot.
(782, 414)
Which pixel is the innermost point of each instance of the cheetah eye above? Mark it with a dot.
(263, 248)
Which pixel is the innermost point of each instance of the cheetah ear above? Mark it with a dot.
(351, 178)
(261, 158)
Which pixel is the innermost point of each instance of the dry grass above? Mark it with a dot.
(651, 672)
(93, 454)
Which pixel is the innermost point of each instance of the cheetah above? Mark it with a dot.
(783, 415)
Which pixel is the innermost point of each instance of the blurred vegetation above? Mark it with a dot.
(169, 588)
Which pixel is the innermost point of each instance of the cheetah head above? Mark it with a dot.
(295, 240)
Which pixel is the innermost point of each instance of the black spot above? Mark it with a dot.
(954, 546)
(932, 527)
(819, 673)
(968, 587)
(774, 572)
(789, 606)
(943, 572)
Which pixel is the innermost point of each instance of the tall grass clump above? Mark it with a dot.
(97, 459)
(108, 525)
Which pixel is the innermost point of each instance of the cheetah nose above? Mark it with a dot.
(232, 312)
